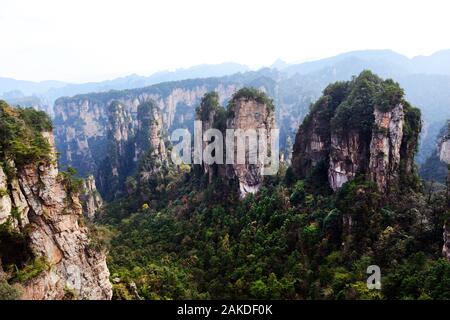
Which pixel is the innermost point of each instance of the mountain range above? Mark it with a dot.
(426, 80)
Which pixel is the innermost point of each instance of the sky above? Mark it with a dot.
(93, 40)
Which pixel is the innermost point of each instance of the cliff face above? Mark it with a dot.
(83, 123)
(130, 136)
(250, 113)
(248, 110)
(435, 167)
(362, 127)
(444, 157)
(91, 199)
(446, 247)
(39, 206)
(387, 135)
(150, 143)
(444, 145)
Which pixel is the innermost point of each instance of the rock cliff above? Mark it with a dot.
(249, 109)
(86, 125)
(446, 247)
(91, 199)
(361, 127)
(45, 248)
(435, 168)
(443, 151)
(444, 148)
(130, 139)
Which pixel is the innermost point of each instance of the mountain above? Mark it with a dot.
(293, 87)
(248, 109)
(28, 87)
(437, 63)
(351, 199)
(51, 90)
(292, 93)
(353, 130)
(370, 57)
(46, 252)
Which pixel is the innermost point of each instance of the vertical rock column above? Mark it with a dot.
(250, 114)
(56, 236)
(385, 147)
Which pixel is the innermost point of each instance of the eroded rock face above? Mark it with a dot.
(444, 156)
(85, 125)
(5, 200)
(55, 236)
(387, 136)
(312, 143)
(91, 198)
(444, 152)
(446, 248)
(347, 158)
(249, 114)
(250, 117)
(150, 141)
(132, 134)
(352, 135)
(351, 155)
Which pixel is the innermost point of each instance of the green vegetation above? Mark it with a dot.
(8, 292)
(209, 104)
(283, 243)
(294, 239)
(71, 181)
(21, 132)
(31, 270)
(255, 94)
(99, 237)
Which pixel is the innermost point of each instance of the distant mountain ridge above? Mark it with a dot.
(387, 61)
(51, 90)
(426, 80)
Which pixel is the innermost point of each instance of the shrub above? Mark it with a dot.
(31, 270)
(21, 132)
(72, 183)
(252, 93)
(8, 292)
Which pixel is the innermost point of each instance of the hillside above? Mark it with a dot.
(295, 237)
(46, 251)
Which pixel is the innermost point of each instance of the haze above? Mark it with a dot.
(86, 40)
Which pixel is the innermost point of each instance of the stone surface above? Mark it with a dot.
(86, 124)
(446, 247)
(55, 235)
(5, 200)
(379, 150)
(444, 152)
(91, 198)
(249, 114)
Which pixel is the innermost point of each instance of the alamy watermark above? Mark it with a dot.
(258, 147)
(374, 280)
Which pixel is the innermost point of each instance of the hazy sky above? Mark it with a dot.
(81, 40)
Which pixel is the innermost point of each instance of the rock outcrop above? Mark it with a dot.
(444, 146)
(249, 110)
(435, 168)
(150, 145)
(86, 125)
(361, 127)
(130, 139)
(446, 247)
(212, 116)
(44, 208)
(91, 199)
